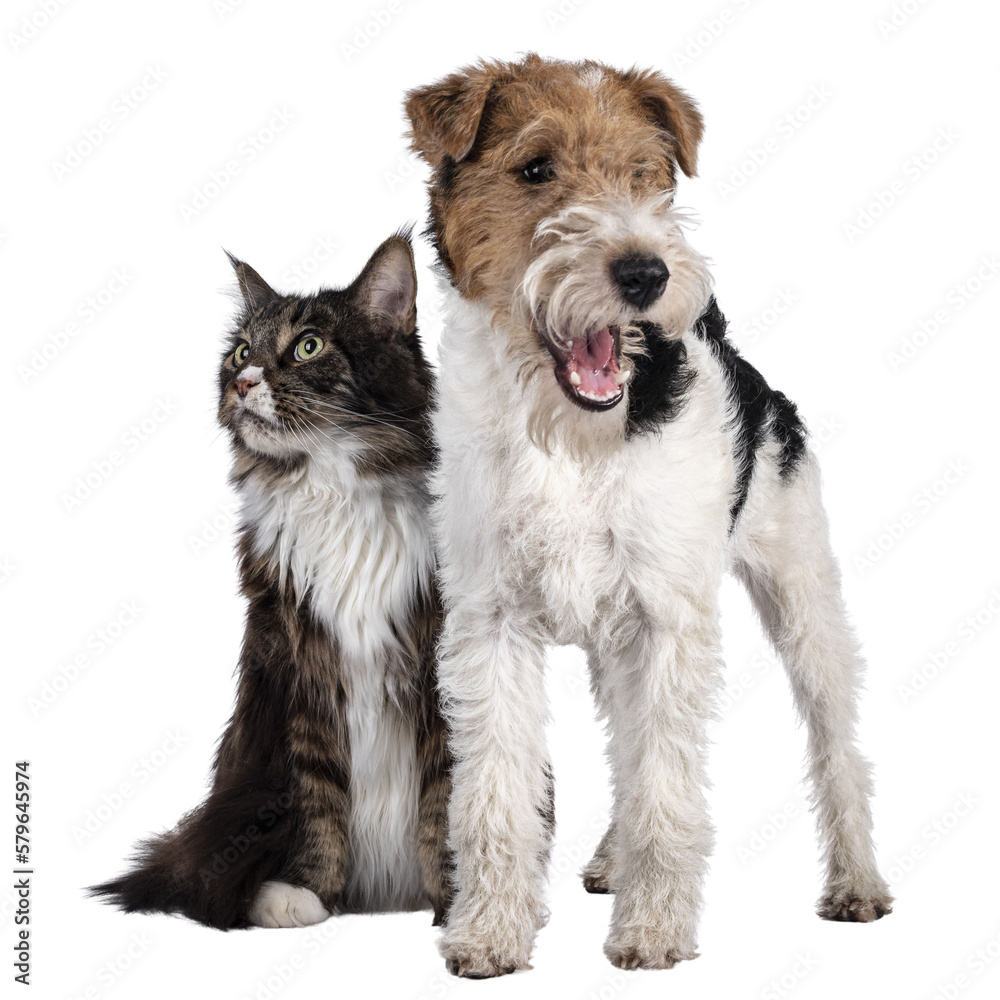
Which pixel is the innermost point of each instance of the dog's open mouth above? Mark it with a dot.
(588, 368)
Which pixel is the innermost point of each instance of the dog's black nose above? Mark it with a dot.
(640, 280)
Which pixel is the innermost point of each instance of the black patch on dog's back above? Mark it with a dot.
(660, 380)
(760, 410)
(790, 432)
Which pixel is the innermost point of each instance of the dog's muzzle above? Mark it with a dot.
(640, 280)
(588, 367)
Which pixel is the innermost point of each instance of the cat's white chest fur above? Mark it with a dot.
(358, 551)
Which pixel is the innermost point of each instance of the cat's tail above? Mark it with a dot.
(211, 866)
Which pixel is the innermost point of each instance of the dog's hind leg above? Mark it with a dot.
(783, 556)
(491, 679)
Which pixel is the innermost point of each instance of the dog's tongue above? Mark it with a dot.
(592, 360)
(594, 352)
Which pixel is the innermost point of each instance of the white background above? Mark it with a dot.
(146, 710)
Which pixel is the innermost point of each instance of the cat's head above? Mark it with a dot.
(338, 374)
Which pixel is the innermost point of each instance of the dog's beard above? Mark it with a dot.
(577, 334)
(571, 302)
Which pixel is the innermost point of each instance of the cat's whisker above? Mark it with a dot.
(313, 431)
(341, 428)
(364, 417)
(326, 401)
(403, 409)
(316, 433)
(301, 427)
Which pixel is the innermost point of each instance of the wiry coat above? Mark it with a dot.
(601, 465)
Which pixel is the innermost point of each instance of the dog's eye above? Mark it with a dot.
(538, 171)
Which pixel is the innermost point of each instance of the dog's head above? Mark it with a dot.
(552, 204)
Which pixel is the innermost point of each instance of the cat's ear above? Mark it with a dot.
(387, 287)
(254, 289)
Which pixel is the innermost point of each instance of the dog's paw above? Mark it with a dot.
(855, 907)
(596, 883)
(480, 963)
(645, 948)
(279, 904)
(484, 966)
(596, 872)
(475, 957)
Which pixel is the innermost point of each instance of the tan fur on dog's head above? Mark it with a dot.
(549, 178)
(477, 128)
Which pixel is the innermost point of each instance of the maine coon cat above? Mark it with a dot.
(331, 779)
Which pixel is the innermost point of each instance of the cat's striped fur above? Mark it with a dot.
(331, 780)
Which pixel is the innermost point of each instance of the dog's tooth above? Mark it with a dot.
(622, 377)
(569, 344)
(574, 378)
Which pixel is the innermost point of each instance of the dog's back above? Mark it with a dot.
(604, 455)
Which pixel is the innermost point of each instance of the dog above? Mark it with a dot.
(605, 455)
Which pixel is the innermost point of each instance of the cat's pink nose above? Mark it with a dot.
(247, 379)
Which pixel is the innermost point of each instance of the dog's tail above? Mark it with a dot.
(211, 866)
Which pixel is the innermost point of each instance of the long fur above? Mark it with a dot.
(212, 865)
(331, 778)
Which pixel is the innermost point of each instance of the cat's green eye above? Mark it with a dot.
(242, 353)
(308, 347)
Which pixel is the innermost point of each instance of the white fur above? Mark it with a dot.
(265, 435)
(359, 548)
(279, 904)
(568, 288)
(618, 546)
(259, 399)
(383, 870)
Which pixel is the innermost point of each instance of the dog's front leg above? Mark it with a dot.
(491, 677)
(656, 696)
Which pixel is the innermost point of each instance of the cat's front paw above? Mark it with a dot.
(279, 904)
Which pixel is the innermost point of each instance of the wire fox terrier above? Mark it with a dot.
(605, 454)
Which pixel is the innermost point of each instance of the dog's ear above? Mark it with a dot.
(673, 110)
(444, 116)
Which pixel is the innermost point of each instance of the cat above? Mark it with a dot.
(331, 780)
